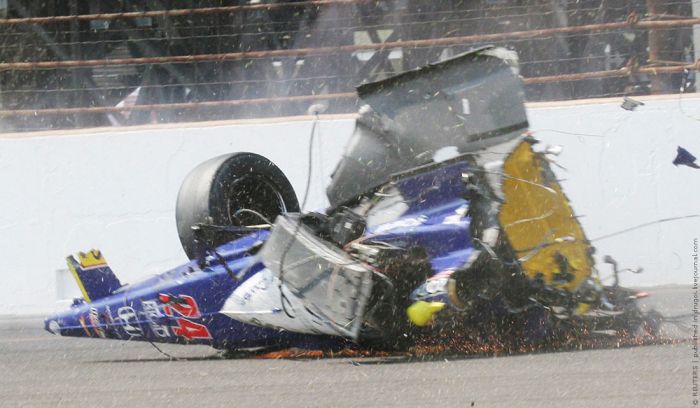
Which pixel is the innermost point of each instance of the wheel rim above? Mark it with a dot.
(255, 193)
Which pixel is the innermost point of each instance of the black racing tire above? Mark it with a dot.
(214, 190)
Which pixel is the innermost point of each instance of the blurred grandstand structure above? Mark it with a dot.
(72, 64)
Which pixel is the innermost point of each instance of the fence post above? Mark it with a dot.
(76, 55)
(658, 41)
(696, 35)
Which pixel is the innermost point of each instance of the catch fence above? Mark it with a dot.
(66, 64)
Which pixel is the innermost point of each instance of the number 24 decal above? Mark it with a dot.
(186, 307)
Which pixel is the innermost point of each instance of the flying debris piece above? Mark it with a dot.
(631, 104)
(685, 158)
(128, 102)
(554, 150)
(550, 154)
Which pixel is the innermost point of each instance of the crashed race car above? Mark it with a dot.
(444, 215)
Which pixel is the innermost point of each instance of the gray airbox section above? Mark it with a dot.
(471, 101)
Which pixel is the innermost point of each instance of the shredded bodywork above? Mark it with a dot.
(445, 221)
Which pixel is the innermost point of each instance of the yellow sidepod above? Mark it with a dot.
(540, 224)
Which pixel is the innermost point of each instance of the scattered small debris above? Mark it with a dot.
(462, 345)
(685, 158)
(294, 353)
(631, 104)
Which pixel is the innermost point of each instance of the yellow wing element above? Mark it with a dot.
(72, 265)
(422, 313)
(92, 258)
(540, 224)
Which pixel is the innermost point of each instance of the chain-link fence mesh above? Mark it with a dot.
(66, 64)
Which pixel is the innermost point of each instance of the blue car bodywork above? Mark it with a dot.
(184, 304)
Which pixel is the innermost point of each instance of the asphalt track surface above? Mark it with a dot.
(42, 370)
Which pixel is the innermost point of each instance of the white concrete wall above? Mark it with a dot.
(115, 189)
